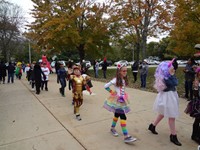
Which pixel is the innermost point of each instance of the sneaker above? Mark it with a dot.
(129, 139)
(114, 132)
(78, 117)
(32, 89)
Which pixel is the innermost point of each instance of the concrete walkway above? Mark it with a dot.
(46, 121)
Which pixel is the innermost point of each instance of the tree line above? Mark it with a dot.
(116, 29)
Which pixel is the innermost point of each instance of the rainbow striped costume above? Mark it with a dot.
(117, 102)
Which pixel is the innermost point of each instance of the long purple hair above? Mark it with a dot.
(161, 73)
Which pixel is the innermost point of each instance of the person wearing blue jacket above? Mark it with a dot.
(167, 101)
(62, 75)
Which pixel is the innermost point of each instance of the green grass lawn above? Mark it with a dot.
(150, 79)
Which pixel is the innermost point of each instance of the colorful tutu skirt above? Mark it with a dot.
(117, 104)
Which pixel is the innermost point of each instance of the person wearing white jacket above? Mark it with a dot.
(46, 72)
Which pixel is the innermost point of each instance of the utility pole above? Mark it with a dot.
(29, 51)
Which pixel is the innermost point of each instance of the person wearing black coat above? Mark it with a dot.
(2, 72)
(135, 68)
(38, 77)
(104, 67)
(11, 72)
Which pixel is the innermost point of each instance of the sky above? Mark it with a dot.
(27, 5)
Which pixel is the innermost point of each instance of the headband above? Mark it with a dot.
(119, 66)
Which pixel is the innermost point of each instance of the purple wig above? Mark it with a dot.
(162, 72)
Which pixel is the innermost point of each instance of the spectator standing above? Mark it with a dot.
(104, 67)
(96, 69)
(189, 78)
(94, 62)
(143, 73)
(135, 68)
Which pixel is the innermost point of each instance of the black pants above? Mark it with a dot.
(37, 85)
(135, 76)
(122, 116)
(3, 79)
(104, 74)
(44, 83)
(33, 84)
(70, 84)
(188, 89)
(196, 128)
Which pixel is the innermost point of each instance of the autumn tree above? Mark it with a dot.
(72, 24)
(10, 21)
(142, 18)
(186, 32)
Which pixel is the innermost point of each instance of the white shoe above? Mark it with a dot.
(32, 89)
(114, 132)
(129, 139)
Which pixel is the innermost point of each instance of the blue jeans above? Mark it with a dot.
(11, 76)
(96, 73)
(143, 80)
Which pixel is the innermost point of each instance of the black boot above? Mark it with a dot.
(152, 128)
(173, 139)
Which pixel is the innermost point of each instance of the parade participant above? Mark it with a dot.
(27, 68)
(70, 72)
(46, 72)
(193, 108)
(44, 60)
(78, 83)
(118, 102)
(166, 103)
(11, 72)
(32, 76)
(18, 71)
(38, 74)
(62, 75)
(3, 73)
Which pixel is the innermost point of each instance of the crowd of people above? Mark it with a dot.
(166, 103)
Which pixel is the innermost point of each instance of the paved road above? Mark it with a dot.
(47, 122)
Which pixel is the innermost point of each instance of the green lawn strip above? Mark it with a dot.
(150, 79)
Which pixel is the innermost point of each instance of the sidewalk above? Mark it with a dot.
(46, 121)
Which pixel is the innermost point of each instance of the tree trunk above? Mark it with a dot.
(137, 50)
(81, 52)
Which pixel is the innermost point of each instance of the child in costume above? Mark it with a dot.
(18, 71)
(193, 108)
(46, 72)
(78, 83)
(166, 103)
(118, 102)
(62, 75)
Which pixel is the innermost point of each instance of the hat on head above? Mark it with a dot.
(76, 67)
